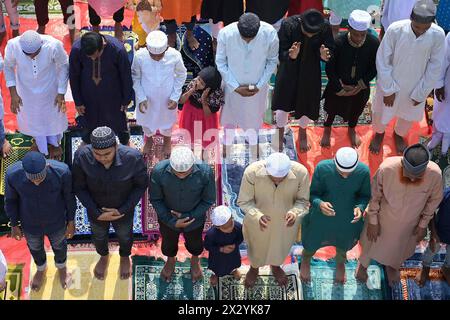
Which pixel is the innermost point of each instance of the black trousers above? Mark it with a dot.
(124, 232)
(95, 20)
(41, 8)
(193, 240)
(171, 25)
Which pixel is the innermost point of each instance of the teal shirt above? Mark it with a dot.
(319, 230)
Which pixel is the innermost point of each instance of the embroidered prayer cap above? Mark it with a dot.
(248, 25)
(34, 165)
(415, 159)
(278, 165)
(360, 20)
(30, 41)
(220, 215)
(346, 159)
(182, 159)
(156, 42)
(103, 138)
(312, 21)
(424, 11)
(334, 19)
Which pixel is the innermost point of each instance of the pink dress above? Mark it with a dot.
(106, 8)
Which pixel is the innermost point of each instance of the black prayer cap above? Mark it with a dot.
(248, 25)
(424, 11)
(91, 42)
(312, 21)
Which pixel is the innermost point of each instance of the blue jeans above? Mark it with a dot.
(428, 255)
(124, 232)
(59, 245)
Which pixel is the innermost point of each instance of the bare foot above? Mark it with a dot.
(2, 36)
(375, 144)
(15, 33)
(196, 269)
(303, 140)
(192, 41)
(361, 273)
(72, 35)
(213, 280)
(305, 270)
(38, 279)
(125, 268)
(118, 31)
(280, 276)
(168, 270)
(423, 276)
(355, 140)
(340, 273)
(250, 278)
(64, 278)
(325, 142)
(41, 30)
(172, 40)
(446, 273)
(167, 147)
(147, 148)
(55, 153)
(96, 29)
(236, 274)
(100, 267)
(393, 276)
(400, 143)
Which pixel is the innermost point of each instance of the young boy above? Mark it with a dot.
(440, 233)
(222, 241)
(158, 77)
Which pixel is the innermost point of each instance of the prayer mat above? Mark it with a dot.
(266, 288)
(435, 289)
(148, 285)
(26, 8)
(20, 144)
(322, 285)
(150, 225)
(240, 158)
(84, 285)
(442, 160)
(13, 283)
(5, 226)
(82, 225)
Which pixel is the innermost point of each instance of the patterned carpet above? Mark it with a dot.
(13, 283)
(322, 286)
(147, 284)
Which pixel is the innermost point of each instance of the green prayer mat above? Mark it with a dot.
(147, 284)
(322, 285)
(26, 8)
(13, 283)
(266, 288)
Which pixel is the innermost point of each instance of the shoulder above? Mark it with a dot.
(171, 52)
(229, 31)
(237, 226)
(115, 44)
(341, 39)
(434, 170)
(211, 233)
(291, 22)
(13, 43)
(84, 152)
(372, 39)
(325, 165)
(58, 166)
(205, 170)
(50, 41)
(140, 53)
(76, 47)
(129, 154)
(254, 167)
(160, 167)
(362, 168)
(267, 28)
(298, 169)
(14, 170)
(390, 164)
(437, 32)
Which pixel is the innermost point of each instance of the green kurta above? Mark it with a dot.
(319, 230)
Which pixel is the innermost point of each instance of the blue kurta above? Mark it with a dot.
(319, 230)
(223, 264)
(103, 102)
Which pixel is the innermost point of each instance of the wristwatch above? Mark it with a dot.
(251, 87)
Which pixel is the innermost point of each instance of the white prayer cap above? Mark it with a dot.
(334, 19)
(30, 41)
(346, 159)
(156, 42)
(220, 215)
(360, 20)
(278, 165)
(182, 159)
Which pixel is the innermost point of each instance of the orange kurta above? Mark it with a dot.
(180, 10)
(398, 208)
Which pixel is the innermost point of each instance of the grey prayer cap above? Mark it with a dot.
(416, 159)
(424, 11)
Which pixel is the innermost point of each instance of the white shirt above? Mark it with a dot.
(242, 63)
(408, 66)
(38, 81)
(396, 10)
(157, 82)
(441, 110)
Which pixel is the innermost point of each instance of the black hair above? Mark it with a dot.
(91, 42)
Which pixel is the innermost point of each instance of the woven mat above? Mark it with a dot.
(13, 283)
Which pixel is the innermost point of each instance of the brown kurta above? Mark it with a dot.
(259, 196)
(399, 208)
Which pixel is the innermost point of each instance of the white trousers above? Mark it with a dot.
(42, 142)
(401, 128)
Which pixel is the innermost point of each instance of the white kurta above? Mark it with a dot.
(396, 10)
(441, 110)
(157, 82)
(38, 81)
(242, 63)
(409, 67)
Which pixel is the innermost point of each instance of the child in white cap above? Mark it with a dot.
(222, 242)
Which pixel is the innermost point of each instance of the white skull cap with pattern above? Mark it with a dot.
(346, 159)
(278, 165)
(360, 20)
(30, 41)
(334, 19)
(156, 42)
(182, 159)
(220, 215)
